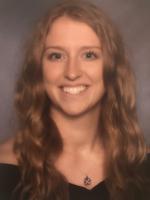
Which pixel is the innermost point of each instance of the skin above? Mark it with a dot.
(74, 43)
(73, 57)
(6, 152)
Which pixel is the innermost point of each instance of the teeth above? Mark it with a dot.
(74, 90)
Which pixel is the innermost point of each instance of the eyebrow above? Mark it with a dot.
(82, 48)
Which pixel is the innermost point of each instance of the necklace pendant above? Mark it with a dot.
(87, 181)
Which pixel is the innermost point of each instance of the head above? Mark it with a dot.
(108, 39)
(73, 68)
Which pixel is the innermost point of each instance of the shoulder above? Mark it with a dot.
(7, 154)
(145, 174)
(9, 171)
(9, 180)
(146, 164)
(144, 168)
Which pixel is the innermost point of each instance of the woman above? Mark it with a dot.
(78, 135)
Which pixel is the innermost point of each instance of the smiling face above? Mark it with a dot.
(73, 68)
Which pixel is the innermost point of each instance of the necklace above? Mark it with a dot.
(87, 181)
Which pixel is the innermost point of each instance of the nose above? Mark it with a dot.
(72, 69)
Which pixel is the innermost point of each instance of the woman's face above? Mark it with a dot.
(73, 67)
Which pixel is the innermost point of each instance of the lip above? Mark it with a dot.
(67, 94)
(71, 85)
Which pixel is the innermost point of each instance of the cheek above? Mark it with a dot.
(96, 76)
(50, 75)
(96, 73)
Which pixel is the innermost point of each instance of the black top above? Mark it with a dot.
(10, 176)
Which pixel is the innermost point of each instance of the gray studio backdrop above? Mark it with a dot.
(17, 18)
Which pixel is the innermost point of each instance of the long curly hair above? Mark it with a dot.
(38, 142)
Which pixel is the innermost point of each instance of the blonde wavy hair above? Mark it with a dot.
(38, 142)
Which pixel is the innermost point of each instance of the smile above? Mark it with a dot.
(75, 89)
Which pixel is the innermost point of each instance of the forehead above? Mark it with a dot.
(67, 31)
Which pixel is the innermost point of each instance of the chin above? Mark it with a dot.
(76, 112)
(76, 109)
(73, 113)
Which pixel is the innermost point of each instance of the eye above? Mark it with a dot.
(54, 56)
(90, 55)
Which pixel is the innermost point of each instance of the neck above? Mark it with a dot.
(79, 134)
